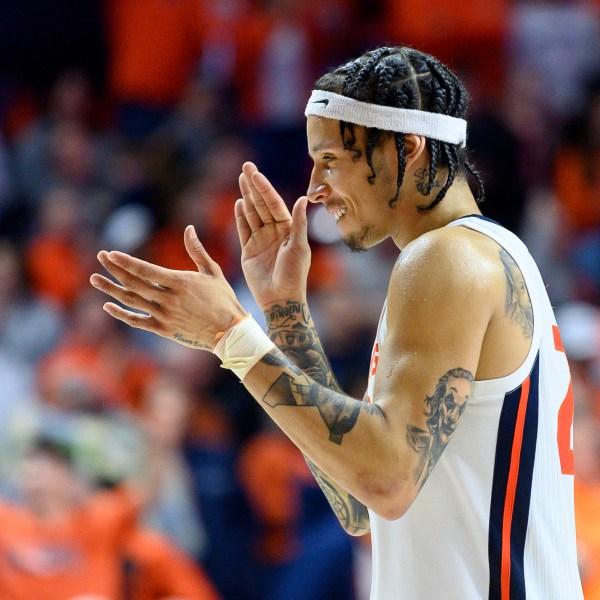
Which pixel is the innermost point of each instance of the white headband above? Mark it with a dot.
(432, 125)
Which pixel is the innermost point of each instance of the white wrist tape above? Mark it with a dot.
(388, 118)
(243, 346)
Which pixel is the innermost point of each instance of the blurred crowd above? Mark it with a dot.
(132, 468)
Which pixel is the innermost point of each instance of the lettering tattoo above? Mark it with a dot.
(422, 177)
(191, 343)
(352, 514)
(517, 305)
(292, 330)
(442, 412)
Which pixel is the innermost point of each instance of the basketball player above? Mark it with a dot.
(459, 459)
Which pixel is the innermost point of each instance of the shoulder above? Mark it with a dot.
(452, 256)
(448, 277)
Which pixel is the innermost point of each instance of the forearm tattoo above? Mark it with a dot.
(294, 388)
(352, 514)
(292, 330)
(517, 303)
(442, 412)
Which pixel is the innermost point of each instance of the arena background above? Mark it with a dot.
(122, 121)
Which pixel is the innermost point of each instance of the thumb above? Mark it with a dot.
(298, 230)
(196, 250)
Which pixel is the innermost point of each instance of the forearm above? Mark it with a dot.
(352, 514)
(366, 464)
(293, 331)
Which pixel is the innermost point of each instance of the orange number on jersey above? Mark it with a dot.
(565, 420)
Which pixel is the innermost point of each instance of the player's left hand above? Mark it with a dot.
(189, 307)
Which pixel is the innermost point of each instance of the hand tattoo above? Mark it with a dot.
(191, 343)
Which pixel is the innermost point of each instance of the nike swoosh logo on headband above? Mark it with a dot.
(325, 102)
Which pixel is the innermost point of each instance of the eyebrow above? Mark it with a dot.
(320, 148)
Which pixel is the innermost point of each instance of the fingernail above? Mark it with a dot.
(113, 256)
(94, 279)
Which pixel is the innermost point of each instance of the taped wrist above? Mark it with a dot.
(243, 346)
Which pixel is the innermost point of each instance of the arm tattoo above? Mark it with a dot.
(442, 412)
(294, 388)
(517, 303)
(292, 330)
(352, 514)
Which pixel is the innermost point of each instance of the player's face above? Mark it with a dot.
(340, 182)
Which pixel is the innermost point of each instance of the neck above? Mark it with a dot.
(413, 223)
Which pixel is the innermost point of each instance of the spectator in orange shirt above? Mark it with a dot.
(65, 544)
(153, 47)
(155, 569)
(54, 258)
(61, 544)
(81, 372)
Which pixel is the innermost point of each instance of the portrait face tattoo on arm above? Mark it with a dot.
(443, 411)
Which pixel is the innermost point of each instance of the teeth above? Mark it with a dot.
(337, 214)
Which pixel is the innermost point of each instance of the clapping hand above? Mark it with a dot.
(275, 250)
(189, 307)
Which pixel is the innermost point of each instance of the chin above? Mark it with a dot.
(360, 241)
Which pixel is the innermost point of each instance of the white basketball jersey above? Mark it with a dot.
(495, 518)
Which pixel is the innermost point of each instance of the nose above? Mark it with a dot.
(317, 191)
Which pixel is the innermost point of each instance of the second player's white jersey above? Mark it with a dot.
(495, 518)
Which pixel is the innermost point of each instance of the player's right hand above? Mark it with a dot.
(275, 250)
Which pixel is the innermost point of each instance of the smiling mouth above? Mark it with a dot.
(338, 214)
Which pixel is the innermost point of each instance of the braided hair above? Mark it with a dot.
(405, 78)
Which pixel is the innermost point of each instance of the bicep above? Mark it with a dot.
(427, 365)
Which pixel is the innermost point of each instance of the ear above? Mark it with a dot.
(414, 148)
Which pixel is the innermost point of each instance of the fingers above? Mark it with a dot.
(254, 219)
(298, 230)
(132, 283)
(261, 201)
(146, 322)
(243, 228)
(197, 251)
(123, 295)
(273, 201)
(140, 268)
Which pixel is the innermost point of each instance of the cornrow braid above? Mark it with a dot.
(368, 66)
(475, 173)
(449, 181)
(405, 78)
(434, 150)
(400, 152)
(384, 74)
